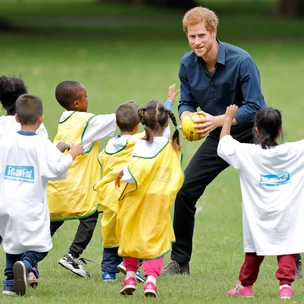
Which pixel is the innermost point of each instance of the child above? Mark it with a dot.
(154, 176)
(74, 197)
(27, 162)
(114, 157)
(272, 186)
(10, 89)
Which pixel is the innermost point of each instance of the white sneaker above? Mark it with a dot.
(74, 265)
(139, 277)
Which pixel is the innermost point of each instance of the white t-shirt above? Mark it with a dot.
(100, 126)
(272, 185)
(8, 124)
(27, 163)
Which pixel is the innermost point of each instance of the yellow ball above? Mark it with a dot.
(188, 126)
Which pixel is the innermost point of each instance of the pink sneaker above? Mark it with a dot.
(285, 292)
(240, 291)
(128, 286)
(150, 290)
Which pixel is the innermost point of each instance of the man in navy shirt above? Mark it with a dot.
(212, 76)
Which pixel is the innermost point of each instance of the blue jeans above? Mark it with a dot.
(110, 260)
(29, 258)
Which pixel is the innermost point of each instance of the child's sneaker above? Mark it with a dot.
(128, 286)
(8, 290)
(74, 265)
(150, 290)
(20, 282)
(240, 291)
(139, 277)
(285, 292)
(32, 277)
(108, 277)
(32, 280)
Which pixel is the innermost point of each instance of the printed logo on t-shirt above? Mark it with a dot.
(23, 174)
(274, 179)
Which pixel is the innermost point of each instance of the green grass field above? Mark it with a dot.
(123, 53)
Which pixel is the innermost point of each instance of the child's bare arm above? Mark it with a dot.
(229, 116)
(62, 146)
(118, 178)
(172, 93)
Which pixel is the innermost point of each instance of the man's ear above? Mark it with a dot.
(17, 118)
(213, 31)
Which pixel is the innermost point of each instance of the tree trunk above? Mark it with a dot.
(289, 8)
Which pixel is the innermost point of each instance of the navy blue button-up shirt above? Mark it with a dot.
(236, 80)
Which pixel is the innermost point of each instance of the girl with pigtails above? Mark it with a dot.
(150, 183)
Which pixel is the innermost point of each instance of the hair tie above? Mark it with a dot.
(144, 126)
(176, 128)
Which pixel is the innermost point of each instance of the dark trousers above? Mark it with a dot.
(83, 235)
(251, 266)
(110, 260)
(204, 166)
(29, 258)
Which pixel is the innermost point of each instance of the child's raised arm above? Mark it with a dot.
(229, 116)
(172, 93)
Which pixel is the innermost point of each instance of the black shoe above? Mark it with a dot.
(174, 268)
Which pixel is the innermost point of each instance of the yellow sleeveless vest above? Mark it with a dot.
(73, 197)
(144, 227)
(108, 194)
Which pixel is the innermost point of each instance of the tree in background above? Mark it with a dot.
(187, 4)
(289, 8)
(282, 8)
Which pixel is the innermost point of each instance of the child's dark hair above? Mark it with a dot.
(154, 117)
(28, 108)
(267, 127)
(67, 92)
(10, 89)
(127, 117)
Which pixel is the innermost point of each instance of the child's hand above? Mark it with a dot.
(76, 149)
(231, 111)
(118, 178)
(172, 93)
(62, 146)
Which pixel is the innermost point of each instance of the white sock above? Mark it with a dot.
(130, 274)
(151, 279)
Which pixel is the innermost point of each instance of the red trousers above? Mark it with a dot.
(151, 267)
(250, 269)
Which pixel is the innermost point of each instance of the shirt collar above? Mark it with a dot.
(220, 56)
(26, 133)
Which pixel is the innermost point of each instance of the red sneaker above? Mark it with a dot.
(240, 291)
(150, 290)
(285, 292)
(128, 286)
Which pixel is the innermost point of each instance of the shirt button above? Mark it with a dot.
(211, 82)
(214, 98)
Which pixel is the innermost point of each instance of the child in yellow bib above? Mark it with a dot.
(74, 198)
(151, 182)
(112, 159)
